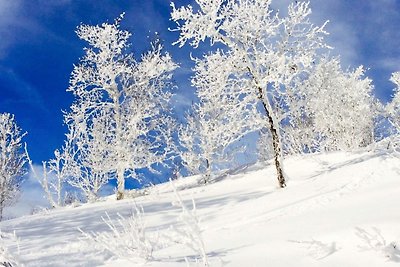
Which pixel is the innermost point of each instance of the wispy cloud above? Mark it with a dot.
(23, 92)
(342, 36)
(356, 29)
(8, 17)
(20, 24)
(390, 63)
(383, 31)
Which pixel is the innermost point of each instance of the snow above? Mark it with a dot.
(339, 209)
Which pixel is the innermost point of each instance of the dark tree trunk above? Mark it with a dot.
(277, 152)
(207, 176)
(275, 142)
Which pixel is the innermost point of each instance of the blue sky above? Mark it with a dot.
(38, 47)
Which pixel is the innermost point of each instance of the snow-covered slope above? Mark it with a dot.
(339, 209)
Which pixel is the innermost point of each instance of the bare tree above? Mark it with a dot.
(267, 50)
(12, 160)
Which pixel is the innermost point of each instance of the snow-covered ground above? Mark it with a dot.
(339, 209)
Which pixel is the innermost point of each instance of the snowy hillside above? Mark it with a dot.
(339, 209)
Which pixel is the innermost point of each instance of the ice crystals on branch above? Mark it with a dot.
(12, 160)
(120, 116)
(270, 51)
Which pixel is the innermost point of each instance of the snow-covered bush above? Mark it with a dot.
(374, 240)
(264, 52)
(7, 258)
(12, 160)
(127, 238)
(189, 232)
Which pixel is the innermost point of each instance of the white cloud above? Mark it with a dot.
(390, 64)
(8, 9)
(344, 42)
(17, 22)
(342, 36)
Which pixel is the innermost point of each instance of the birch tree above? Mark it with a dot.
(132, 95)
(219, 119)
(55, 173)
(12, 160)
(269, 50)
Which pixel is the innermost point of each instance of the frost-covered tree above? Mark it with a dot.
(219, 119)
(339, 109)
(12, 160)
(87, 148)
(267, 50)
(392, 112)
(54, 174)
(393, 108)
(129, 93)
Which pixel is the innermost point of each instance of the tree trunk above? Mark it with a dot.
(277, 152)
(2, 200)
(1, 210)
(276, 143)
(207, 175)
(121, 184)
(119, 144)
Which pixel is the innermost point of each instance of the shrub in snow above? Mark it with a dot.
(7, 259)
(127, 238)
(374, 240)
(264, 53)
(119, 116)
(12, 160)
(189, 233)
